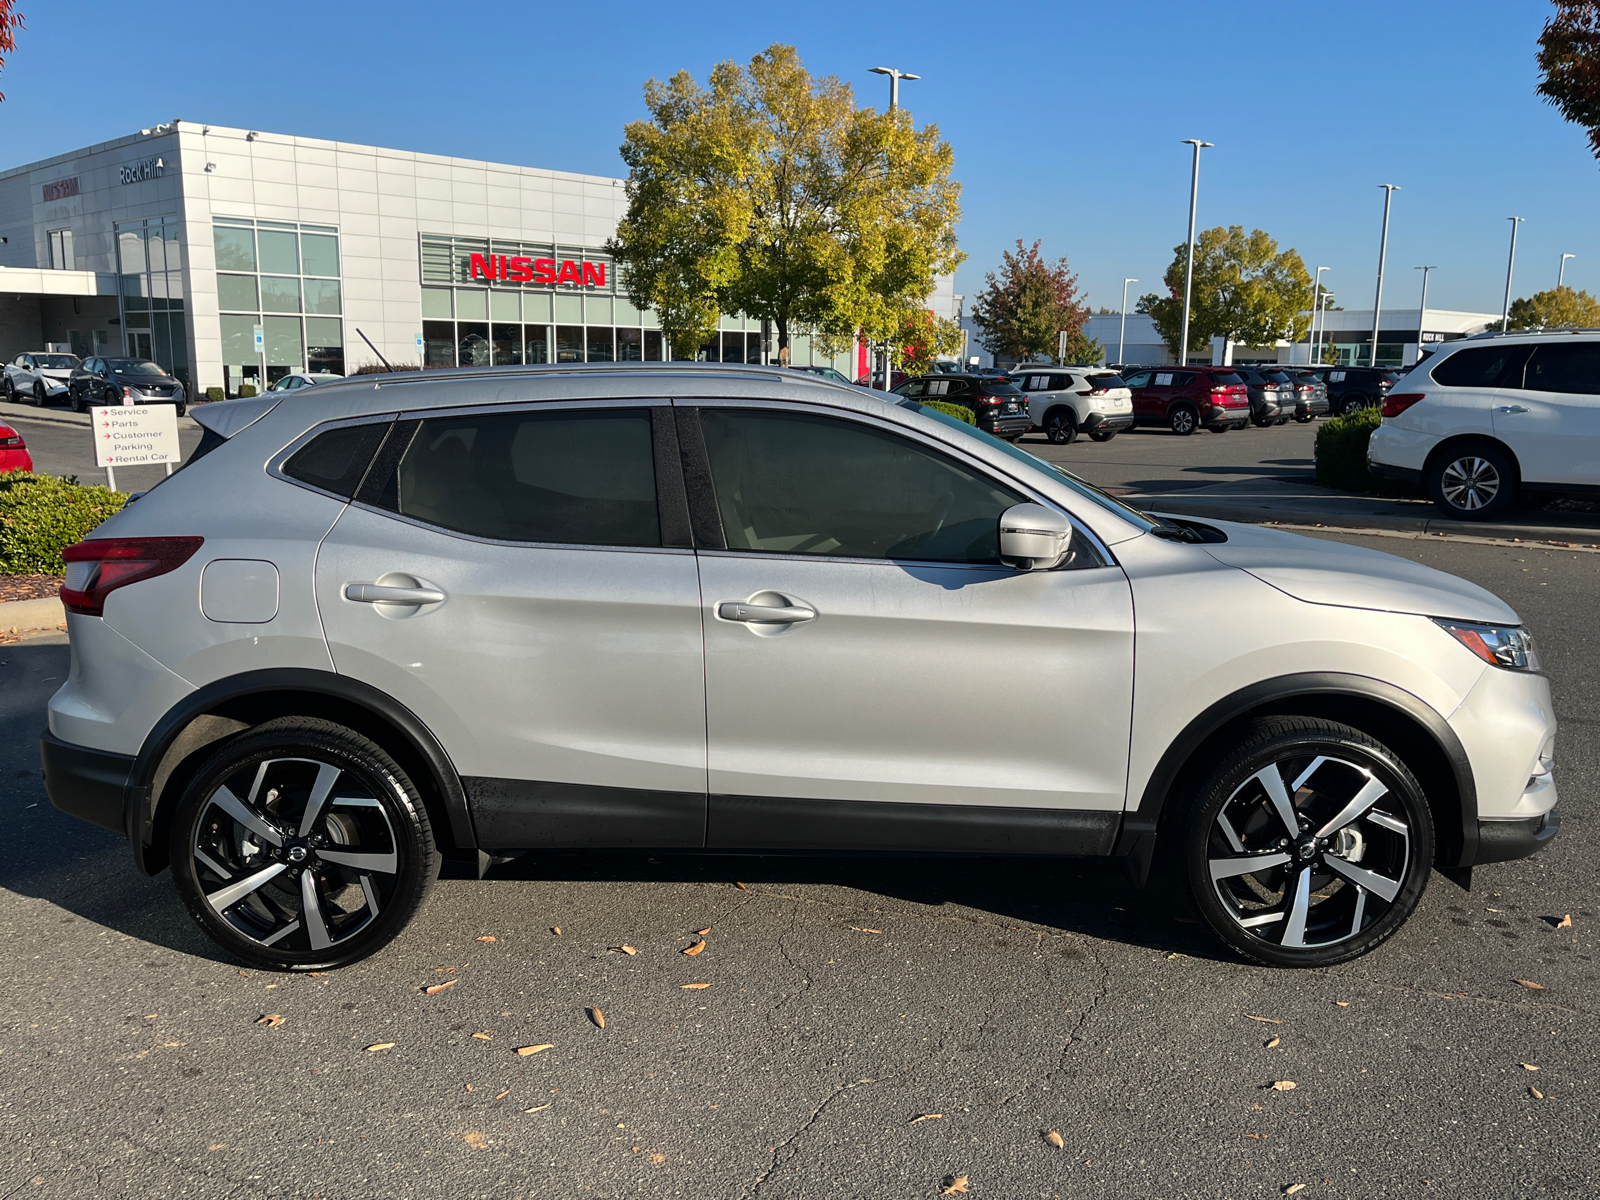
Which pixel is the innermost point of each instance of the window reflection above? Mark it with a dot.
(538, 343)
(602, 346)
(652, 345)
(569, 343)
(472, 343)
(507, 345)
(438, 343)
(630, 346)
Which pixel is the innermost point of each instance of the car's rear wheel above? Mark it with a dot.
(1476, 483)
(1309, 844)
(1060, 426)
(1183, 420)
(1103, 435)
(1352, 404)
(301, 845)
(1303, 417)
(7, 388)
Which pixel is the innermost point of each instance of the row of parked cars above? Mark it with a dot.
(85, 383)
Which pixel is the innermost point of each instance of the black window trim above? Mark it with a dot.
(703, 497)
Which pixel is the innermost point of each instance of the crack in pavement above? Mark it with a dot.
(1076, 1033)
(753, 1189)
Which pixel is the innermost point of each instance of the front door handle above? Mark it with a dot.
(377, 593)
(763, 614)
(1511, 408)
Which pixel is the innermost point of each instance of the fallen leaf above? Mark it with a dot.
(486, 938)
(1341, 1004)
(740, 886)
(926, 1117)
(1536, 1093)
(1260, 1137)
(538, 1108)
(1054, 1139)
(484, 1035)
(556, 929)
(954, 1185)
(439, 987)
(503, 1094)
(691, 951)
(859, 929)
(1528, 983)
(1529, 1067)
(527, 1050)
(1177, 954)
(1264, 1020)
(273, 1019)
(702, 932)
(628, 950)
(469, 1087)
(476, 1140)
(1285, 1085)
(1293, 1188)
(1273, 1043)
(1565, 922)
(380, 1046)
(151, 1016)
(693, 987)
(598, 1017)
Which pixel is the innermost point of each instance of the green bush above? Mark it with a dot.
(1342, 452)
(216, 393)
(959, 411)
(42, 514)
(246, 390)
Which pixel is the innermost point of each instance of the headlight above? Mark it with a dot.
(1508, 646)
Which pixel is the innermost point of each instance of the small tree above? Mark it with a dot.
(1023, 312)
(921, 337)
(10, 21)
(1244, 290)
(1558, 308)
(1142, 306)
(1569, 56)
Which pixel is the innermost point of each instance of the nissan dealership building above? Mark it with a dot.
(233, 257)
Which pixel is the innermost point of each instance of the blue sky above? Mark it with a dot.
(1066, 117)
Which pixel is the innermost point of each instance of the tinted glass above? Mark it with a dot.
(335, 461)
(1105, 381)
(1275, 376)
(998, 387)
(1570, 367)
(912, 387)
(1139, 379)
(1221, 378)
(790, 483)
(1482, 366)
(572, 477)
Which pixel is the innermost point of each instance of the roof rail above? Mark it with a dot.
(445, 374)
(1496, 333)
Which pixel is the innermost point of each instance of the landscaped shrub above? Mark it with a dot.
(42, 514)
(216, 393)
(380, 369)
(246, 390)
(959, 411)
(1342, 452)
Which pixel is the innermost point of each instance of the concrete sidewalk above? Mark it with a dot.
(60, 415)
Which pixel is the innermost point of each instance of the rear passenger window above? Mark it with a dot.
(569, 476)
(1482, 366)
(1570, 367)
(334, 461)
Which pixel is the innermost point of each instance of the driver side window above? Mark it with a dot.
(793, 483)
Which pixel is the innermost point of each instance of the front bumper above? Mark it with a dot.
(1502, 841)
(89, 784)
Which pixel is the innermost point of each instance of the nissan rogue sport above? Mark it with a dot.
(725, 608)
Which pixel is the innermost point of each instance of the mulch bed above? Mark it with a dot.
(28, 587)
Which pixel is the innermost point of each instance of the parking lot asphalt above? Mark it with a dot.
(869, 1027)
(60, 443)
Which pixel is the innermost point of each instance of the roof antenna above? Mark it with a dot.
(375, 350)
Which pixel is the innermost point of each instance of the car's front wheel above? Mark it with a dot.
(38, 394)
(1309, 844)
(1475, 483)
(301, 845)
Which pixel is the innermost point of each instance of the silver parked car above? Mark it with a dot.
(724, 608)
(37, 376)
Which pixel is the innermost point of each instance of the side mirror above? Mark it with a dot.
(1033, 537)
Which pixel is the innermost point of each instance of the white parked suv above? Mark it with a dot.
(37, 376)
(1494, 416)
(727, 608)
(1067, 401)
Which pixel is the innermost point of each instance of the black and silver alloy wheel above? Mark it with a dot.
(1310, 845)
(1060, 427)
(1473, 483)
(301, 844)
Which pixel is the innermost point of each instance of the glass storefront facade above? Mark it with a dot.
(285, 278)
(150, 280)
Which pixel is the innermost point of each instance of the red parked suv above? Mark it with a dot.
(1185, 398)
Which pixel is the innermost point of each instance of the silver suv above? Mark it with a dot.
(731, 608)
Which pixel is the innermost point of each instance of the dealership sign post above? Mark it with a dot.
(130, 435)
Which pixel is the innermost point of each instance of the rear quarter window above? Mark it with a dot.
(337, 460)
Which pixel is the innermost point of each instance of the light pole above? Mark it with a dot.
(894, 83)
(1389, 189)
(1122, 333)
(1188, 271)
(1422, 312)
(1561, 276)
(1511, 261)
(1316, 303)
(1322, 337)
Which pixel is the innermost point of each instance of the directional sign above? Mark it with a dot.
(129, 435)
(419, 347)
(261, 338)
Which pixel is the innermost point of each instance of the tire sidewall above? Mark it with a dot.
(1183, 420)
(418, 857)
(1273, 743)
(1510, 485)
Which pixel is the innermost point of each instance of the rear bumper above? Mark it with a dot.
(1096, 420)
(1404, 474)
(1219, 414)
(1502, 841)
(91, 785)
(1006, 426)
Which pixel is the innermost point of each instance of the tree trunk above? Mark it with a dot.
(783, 341)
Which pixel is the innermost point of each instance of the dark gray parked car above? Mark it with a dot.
(1271, 395)
(1310, 394)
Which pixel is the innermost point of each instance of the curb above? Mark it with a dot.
(22, 615)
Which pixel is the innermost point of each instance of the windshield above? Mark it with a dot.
(1082, 486)
(55, 362)
(134, 366)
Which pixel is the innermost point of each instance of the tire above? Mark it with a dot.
(1223, 428)
(1311, 904)
(77, 403)
(8, 390)
(1352, 404)
(1263, 422)
(182, 408)
(250, 894)
(1060, 426)
(109, 398)
(1473, 483)
(38, 395)
(1103, 435)
(1305, 418)
(1183, 420)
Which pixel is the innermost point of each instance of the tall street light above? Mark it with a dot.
(1511, 261)
(1322, 336)
(1122, 333)
(1422, 312)
(1561, 277)
(1188, 271)
(1316, 303)
(894, 83)
(1389, 189)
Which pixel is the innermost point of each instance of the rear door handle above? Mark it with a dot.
(377, 593)
(1511, 408)
(786, 614)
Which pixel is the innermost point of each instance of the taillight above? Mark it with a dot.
(12, 440)
(988, 399)
(1396, 403)
(99, 566)
(1221, 388)
(1098, 391)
